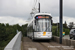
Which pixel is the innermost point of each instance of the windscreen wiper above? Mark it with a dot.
(46, 28)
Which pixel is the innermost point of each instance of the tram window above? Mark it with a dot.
(43, 25)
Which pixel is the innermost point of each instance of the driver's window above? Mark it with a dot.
(72, 32)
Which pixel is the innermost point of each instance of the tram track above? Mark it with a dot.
(44, 46)
(28, 44)
(49, 48)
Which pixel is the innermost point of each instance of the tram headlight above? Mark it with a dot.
(49, 33)
(38, 33)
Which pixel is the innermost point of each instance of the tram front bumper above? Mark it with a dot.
(43, 37)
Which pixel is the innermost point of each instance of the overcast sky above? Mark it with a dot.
(18, 11)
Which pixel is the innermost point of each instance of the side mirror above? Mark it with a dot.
(51, 22)
(35, 22)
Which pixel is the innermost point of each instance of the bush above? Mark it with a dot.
(7, 32)
(54, 30)
(66, 30)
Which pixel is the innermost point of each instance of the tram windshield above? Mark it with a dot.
(43, 25)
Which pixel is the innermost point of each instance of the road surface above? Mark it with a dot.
(28, 44)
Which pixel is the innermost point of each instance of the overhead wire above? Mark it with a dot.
(35, 6)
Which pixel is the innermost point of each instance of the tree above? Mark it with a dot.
(24, 30)
(71, 24)
(7, 32)
(65, 25)
(7, 25)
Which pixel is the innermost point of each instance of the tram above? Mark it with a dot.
(40, 27)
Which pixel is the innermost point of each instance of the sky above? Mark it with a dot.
(18, 11)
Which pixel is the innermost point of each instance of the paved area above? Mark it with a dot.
(67, 37)
(28, 44)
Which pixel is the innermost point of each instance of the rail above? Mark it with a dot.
(15, 43)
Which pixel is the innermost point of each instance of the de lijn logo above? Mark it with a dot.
(44, 33)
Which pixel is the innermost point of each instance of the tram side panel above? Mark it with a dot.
(30, 30)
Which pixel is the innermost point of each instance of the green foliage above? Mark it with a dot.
(57, 32)
(66, 30)
(54, 31)
(24, 30)
(7, 32)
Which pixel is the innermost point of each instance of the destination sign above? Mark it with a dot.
(39, 17)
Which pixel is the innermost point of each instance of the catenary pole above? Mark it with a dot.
(39, 7)
(61, 20)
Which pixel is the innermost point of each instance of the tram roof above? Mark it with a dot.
(42, 14)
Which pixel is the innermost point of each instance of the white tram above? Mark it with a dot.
(40, 27)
